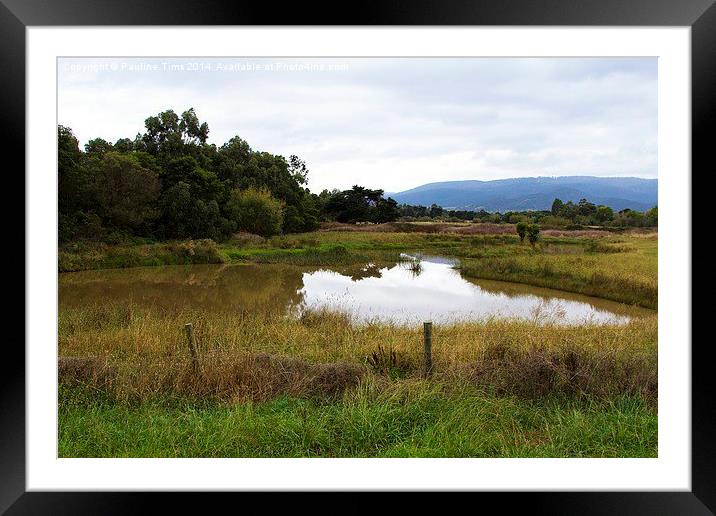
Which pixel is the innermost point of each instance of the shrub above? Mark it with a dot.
(521, 228)
(80, 226)
(255, 211)
(196, 251)
(532, 233)
(293, 222)
(242, 238)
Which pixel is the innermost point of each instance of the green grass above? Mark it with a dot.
(81, 256)
(407, 420)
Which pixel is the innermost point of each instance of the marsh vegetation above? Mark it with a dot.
(319, 381)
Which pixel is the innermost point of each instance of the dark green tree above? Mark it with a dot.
(557, 207)
(435, 211)
(98, 146)
(75, 203)
(169, 182)
(532, 233)
(126, 192)
(521, 228)
(124, 145)
(603, 214)
(386, 210)
(176, 210)
(361, 204)
(298, 170)
(72, 178)
(586, 208)
(169, 135)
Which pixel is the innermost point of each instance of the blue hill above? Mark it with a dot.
(534, 193)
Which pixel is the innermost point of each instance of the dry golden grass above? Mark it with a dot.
(140, 351)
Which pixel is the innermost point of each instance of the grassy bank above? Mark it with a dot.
(80, 256)
(622, 269)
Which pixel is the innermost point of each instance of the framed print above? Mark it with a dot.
(415, 250)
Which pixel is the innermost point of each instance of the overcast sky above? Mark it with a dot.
(389, 123)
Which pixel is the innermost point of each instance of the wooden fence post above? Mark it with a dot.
(192, 345)
(428, 342)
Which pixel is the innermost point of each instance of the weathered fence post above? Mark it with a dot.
(192, 345)
(428, 342)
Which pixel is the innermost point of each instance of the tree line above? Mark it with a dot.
(583, 213)
(169, 183)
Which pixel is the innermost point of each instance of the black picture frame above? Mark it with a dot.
(700, 15)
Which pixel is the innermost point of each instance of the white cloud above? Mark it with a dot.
(392, 123)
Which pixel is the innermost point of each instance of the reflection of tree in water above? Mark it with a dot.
(212, 287)
(368, 271)
(265, 287)
(363, 271)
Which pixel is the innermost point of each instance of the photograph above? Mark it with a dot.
(357, 257)
(415, 249)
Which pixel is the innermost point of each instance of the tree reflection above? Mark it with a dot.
(368, 271)
(212, 287)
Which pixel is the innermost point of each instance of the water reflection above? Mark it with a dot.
(430, 288)
(211, 287)
(415, 289)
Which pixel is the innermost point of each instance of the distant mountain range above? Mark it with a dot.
(534, 193)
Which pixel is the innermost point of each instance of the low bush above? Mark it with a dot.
(245, 239)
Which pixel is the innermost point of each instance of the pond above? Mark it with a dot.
(415, 289)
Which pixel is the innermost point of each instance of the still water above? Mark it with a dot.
(429, 288)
